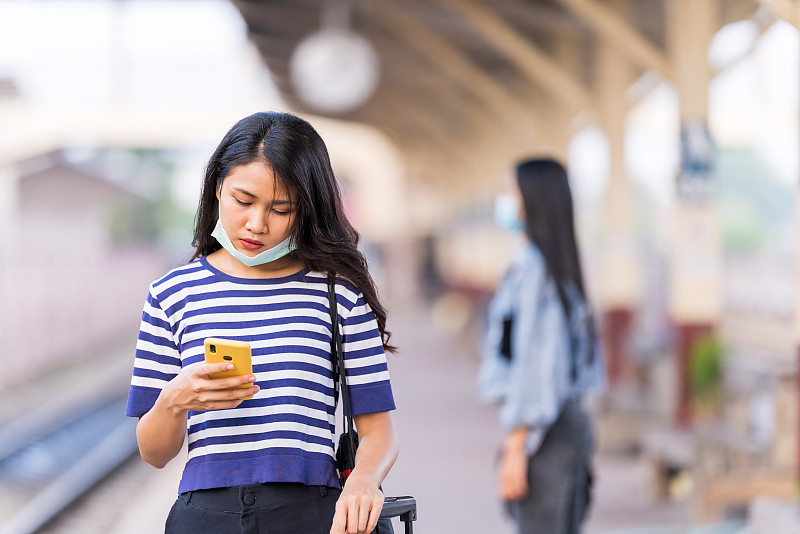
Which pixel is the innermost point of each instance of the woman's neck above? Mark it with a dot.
(279, 268)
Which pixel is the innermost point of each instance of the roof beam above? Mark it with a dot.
(787, 10)
(426, 125)
(531, 61)
(446, 57)
(513, 111)
(736, 10)
(446, 100)
(622, 35)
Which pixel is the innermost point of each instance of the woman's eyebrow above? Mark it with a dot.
(244, 192)
(251, 195)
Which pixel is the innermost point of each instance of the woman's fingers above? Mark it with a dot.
(207, 393)
(204, 370)
(339, 525)
(356, 514)
(374, 515)
(223, 399)
(231, 382)
(363, 516)
(513, 476)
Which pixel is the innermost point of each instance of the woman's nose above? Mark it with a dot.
(257, 221)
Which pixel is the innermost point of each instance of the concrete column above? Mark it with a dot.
(9, 241)
(621, 288)
(9, 205)
(797, 304)
(797, 316)
(695, 303)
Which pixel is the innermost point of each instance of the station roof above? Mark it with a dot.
(452, 71)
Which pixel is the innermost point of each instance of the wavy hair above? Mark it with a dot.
(326, 241)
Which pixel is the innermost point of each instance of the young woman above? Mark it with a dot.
(270, 230)
(540, 356)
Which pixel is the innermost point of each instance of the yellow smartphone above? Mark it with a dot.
(218, 350)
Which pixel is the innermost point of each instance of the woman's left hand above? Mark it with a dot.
(359, 506)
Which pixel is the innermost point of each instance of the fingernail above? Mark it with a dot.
(256, 389)
(252, 378)
(229, 367)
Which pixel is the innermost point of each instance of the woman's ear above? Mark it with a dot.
(219, 190)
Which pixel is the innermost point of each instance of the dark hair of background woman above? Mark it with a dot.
(326, 241)
(549, 221)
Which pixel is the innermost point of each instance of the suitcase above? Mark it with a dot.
(403, 507)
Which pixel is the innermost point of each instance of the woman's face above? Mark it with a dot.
(254, 208)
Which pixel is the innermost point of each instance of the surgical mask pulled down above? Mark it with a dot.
(506, 212)
(275, 253)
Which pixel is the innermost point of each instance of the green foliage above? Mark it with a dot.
(705, 367)
(156, 216)
(755, 206)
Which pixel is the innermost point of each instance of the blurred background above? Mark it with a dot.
(677, 119)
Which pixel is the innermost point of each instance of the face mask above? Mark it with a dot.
(275, 253)
(506, 213)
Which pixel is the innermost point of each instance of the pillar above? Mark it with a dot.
(797, 305)
(621, 286)
(9, 217)
(797, 322)
(694, 295)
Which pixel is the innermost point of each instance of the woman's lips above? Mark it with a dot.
(251, 245)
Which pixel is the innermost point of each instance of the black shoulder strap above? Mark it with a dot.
(337, 361)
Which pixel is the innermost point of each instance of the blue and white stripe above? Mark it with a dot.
(285, 433)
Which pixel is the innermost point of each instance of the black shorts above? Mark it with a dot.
(274, 508)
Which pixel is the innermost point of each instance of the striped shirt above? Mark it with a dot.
(285, 432)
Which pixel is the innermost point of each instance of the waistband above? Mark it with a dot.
(254, 495)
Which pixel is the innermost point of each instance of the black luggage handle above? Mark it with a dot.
(404, 507)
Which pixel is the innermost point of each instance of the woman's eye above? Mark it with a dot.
(241, 203)
(279, 212)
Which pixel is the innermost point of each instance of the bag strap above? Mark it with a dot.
(337, 361)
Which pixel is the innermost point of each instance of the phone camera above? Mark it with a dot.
(227, 358)
(213, 348)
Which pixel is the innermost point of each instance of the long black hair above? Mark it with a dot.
(326, 241)
(549, 222)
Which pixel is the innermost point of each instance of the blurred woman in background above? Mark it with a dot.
(540, 356)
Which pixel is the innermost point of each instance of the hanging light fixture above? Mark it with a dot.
(334, 70)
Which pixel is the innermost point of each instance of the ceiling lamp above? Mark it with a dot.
(334, 70)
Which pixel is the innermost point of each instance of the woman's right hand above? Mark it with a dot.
(512, 470)
(193, 389)
(512, 475)
(162, 429)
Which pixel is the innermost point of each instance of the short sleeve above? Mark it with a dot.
(365, 361)
(157, 359)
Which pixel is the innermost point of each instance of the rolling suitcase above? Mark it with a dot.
(403, 507)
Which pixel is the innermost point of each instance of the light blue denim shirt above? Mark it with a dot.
(535, 384)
